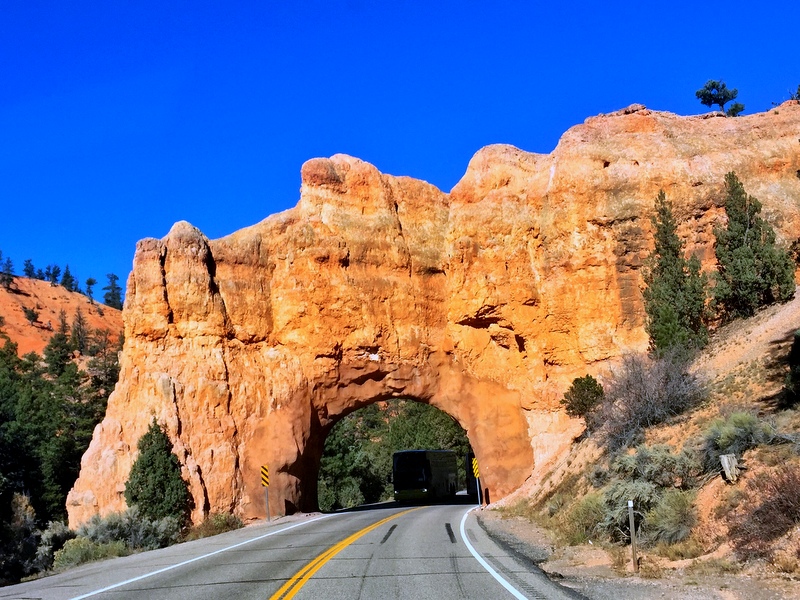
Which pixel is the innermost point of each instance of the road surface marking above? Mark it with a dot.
(191, 560)
(514, 591)
(291, 587)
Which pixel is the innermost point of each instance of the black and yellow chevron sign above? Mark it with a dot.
(264, 476)
(475, 468)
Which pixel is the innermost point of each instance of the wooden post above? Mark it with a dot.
(633, 537)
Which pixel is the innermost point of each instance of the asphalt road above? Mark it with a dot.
(384, 552)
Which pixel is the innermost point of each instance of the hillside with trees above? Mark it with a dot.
(58, 365)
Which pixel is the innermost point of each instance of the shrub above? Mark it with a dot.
(688, 548)
(134, 529)
(644, 495)
(582, 521)
(644, 392)
(82, 550)
(17, 539)
(775, 514)
(583, 395)
(733, 435)
(155, 484)
(214, 524)
(53, 539)
(658, 465)
(671, 520)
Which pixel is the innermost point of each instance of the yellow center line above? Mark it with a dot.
(290, 588)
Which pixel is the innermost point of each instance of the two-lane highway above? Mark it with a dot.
(384, 552)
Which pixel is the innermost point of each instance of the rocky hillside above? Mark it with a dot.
(739, 540)
(48, 301)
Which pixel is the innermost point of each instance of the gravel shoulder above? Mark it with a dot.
(588, 569)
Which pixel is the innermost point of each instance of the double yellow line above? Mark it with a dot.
(291, 587)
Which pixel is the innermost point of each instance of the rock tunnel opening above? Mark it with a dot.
(356, 459)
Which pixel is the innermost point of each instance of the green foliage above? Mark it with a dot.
(644, 392)
(357, 456)
(658, 465)
(57, 354)
(81, 550)
(132, 527)
(68, 282)
(214, 524)
(717, 92)
(90, 283)
(117, 534)
(795, 95)
(752, 272)
(735, 434)
(583, 395)
(53, 538)
(734, 109)
(31, 314)
(155, 484)
(79, 334)
(113, 295)
(672, 518)
(52, 273)
(658, 481)
(644, 494)
(18, 539)
(7, 274)
(28, 269)
(675, 297)
(582, 520)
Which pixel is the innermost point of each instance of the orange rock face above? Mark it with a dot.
(485, 302)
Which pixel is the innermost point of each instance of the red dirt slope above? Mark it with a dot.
(48, 301)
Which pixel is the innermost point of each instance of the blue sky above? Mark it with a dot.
(119, 118)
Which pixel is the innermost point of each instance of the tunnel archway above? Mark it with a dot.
(291, 438)
(356, 464)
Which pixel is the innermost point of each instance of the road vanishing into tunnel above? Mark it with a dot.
(385, 551)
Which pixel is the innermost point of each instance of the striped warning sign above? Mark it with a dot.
(264, 476)
(475, 468)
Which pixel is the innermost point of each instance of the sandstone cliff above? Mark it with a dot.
(484, 302)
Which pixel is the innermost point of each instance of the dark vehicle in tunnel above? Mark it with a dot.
(424, 475)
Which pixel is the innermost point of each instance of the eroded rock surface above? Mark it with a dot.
(485, 302)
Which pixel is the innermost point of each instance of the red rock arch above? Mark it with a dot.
(497, 431)
(485, 302)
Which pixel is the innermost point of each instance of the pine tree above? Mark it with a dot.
(68, 281)
(7, 274)
(583, 395)
(58, 353)
(31, 314)
(675, 297)
(113, 295)
(79, 335)
(717, 92)
(52, 273)
(28, 269)
(752, 271)
(155, 484)
(90, 283)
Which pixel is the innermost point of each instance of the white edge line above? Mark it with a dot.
(514, 591)
(196, 558)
